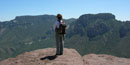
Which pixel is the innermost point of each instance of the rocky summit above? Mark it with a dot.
(70, 57)
(46, 57)
(102, 59)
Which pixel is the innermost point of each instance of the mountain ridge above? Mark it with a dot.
(91, 33)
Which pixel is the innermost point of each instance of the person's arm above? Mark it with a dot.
(55, 26)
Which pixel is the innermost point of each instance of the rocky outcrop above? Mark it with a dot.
(70, 57)
(46, 57)
(102, 59)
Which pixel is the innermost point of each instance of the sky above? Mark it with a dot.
(9, 9)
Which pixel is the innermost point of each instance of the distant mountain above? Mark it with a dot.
(26, 33)
(90, 33)
(100, 33)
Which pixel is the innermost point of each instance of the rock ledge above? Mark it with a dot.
(70, 57)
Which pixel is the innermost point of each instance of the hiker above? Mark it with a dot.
(59, 31)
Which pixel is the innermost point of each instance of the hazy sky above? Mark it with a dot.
(9, 9)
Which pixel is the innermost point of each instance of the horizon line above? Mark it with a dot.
(63, 17)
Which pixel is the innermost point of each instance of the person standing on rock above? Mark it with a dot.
(59, 31)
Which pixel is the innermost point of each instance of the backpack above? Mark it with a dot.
(61, 29)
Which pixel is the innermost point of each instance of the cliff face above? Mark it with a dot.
(95, 33)
(70, 57)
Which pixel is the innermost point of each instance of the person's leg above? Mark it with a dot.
(57, 44)
(61, 44)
